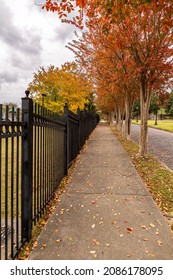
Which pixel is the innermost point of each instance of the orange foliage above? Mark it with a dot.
(128, 44)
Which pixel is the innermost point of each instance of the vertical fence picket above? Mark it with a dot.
(0, 180)
(6, 182)
(18, 179)
(12, 186)
(66, 140)
(34, 169)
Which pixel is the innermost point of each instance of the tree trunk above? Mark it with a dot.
(128, 110)
(119, 120)
(145, 96)
(156, 123)
(116, 116)
(111, 118)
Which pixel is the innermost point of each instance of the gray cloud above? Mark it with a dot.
(8, 77)
(65, 33)
(32, 44)
(8, 32)
(27, 41)
(35, 38)
(24, 62)
(40, 2)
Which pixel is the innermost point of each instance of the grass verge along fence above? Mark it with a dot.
(37, 147)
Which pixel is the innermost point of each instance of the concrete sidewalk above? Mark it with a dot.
(106, 211)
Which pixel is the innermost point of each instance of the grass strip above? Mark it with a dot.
(166, 125)
(156, 176)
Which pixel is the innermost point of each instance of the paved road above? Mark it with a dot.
(160, 144)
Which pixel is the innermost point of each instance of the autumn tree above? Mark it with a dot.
(144, 32)
(148, 33)
(83, 8)
(101, 53)
(61, 86)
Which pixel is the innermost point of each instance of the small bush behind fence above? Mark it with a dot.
(37, 147)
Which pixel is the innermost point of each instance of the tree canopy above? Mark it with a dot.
(60, 86)
(126, 47)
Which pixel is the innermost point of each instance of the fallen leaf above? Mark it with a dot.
(35, 244)
(58, 240)
(95, 242)
(129, 230)
(152, 255)
(143, 226)
(145, 239)
(151, 225)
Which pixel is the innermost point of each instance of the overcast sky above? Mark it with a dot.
(29, 38)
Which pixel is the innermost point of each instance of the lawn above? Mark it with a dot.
(10, 183)
(162, 124)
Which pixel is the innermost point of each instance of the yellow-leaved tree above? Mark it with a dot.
(60, 86)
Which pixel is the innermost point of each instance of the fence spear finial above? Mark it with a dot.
(27, 92)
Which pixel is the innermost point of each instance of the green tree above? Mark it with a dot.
(169, 104)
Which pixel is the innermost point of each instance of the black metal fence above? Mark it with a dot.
(36, 149)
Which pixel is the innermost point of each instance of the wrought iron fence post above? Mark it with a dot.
(86, 124)
(79, 129)
(66, 140)
(27, 151)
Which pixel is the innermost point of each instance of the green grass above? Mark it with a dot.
(162, 124)
(158, 178)
(9, 180)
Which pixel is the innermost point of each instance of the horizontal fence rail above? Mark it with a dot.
(37, 147)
